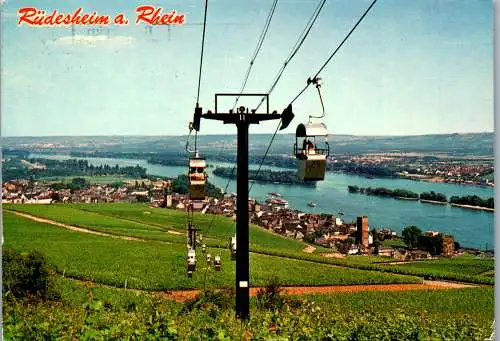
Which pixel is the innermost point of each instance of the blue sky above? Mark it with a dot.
(411, 67)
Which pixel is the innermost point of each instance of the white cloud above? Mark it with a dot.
(97, 40)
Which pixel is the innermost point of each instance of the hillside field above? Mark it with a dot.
(92, 272)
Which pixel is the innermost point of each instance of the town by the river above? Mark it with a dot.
(471, 228)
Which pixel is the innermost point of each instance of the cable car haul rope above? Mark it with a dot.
(311, 150)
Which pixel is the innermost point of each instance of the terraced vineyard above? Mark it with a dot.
(460, 314)
(158, 266)
(92, 271)
(154, 224)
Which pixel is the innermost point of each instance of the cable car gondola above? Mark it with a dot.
(310, 151)
(191, 261)
(197, 177)
(232, 247)
(217, 263)
(311, 146)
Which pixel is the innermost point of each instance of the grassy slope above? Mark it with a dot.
(457, 314)
(467, 264)
(214, 226)
(127, 219)
(157, 266)
(152, 225)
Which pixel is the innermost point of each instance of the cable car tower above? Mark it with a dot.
(242, 118)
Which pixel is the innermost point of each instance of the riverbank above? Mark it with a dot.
(487, 209)
(434, 202)
(404, 194)
(331, 196)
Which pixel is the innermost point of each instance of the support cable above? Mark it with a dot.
(309, 81)
(296, 48)
(201, 57)
(265, 154)
(257, 49)
(315, 78)
(247, 75)
(199, 75)
(211, 223)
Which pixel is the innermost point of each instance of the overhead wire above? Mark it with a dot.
(252, 61)
(189, 208)
(336, 50)
(247, 75)
(210, 226)
(201, 56)
(257, 49)
(201, 67)
(309, 81)
(298, 44)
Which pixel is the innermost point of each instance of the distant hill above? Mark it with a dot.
(477, 144)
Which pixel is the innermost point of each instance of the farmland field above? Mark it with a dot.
(158, 266)
(463, 267)
(92, 271)
(211, 225)
(131, 220)
(458, 314)
(141, 221)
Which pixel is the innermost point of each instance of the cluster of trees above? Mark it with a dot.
(433, 196)
(383, 192)
(375, 170)
(71, 167)
(414, 238)
(181, 185)
(21, 153)
(27, 277)
(179, 158)
(282, 177)
(473, 200)
(399, 192)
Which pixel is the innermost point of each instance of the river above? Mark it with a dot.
(471, 228)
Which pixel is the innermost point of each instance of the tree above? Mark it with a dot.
(77, 184)
(411, 235)
(353, 189)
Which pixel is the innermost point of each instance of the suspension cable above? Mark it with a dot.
(292, 54)
(315, 78)
(298, 44)
(265, 154)
(336, 50)
(211, 223)
(201, 57)
(247, 75)
(257, 49)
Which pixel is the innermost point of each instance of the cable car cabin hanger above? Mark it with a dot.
(311, 146)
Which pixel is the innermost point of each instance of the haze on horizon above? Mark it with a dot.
(411, 68)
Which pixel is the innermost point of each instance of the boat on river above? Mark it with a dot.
(311, 204)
